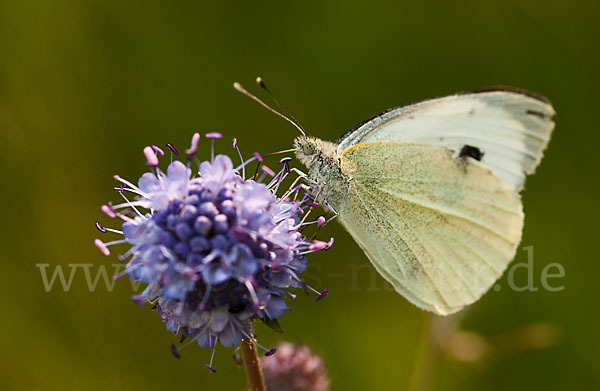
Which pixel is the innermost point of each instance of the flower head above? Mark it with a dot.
(294, 368)
(216, 250)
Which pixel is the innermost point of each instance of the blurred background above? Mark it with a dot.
(85, 85)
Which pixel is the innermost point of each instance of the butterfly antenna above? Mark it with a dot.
(241, 89)
(261, 84)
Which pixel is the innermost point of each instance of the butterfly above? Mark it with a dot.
(430, 191)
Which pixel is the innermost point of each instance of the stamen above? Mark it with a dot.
(151, 159)
(131, 185)
(310, 223)
(317, 245)
(174, 351)
(277, 178)
(296, 188)
(253, 295)
(131, 204)
(306, 195)
(193, 146)
(280, 181)
(204, 300)
(188, 343)
(323, 294)
(102, 247)
(212, 357)
(210, 368)
(244, 164)
(307, 191)
(308, 287)
(302, 221)
(258, 179)
(157, 150)
(291, 191)
(267, 171)
(321, 221)
(100, 228)
(127, 205)
(259, 158)
(108, 210)
(127, 254)
(172, 148)
(112, 243)
(235, 146)
(123, 188)
(329, 244)
(213, 136)
(285, 163)
(270, 352)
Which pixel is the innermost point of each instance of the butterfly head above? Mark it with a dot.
(306, 149)
(311, 149)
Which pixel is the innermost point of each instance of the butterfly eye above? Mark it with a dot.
(309, 148)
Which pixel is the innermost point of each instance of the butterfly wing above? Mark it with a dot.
(441, 229)
(506, 129)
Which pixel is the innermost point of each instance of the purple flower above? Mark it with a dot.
(217, 250)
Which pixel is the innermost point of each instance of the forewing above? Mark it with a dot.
(510, 129)
(440, 229)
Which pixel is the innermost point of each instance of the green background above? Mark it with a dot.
(84, 85)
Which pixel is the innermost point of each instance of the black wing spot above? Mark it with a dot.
(538, 114)
(470, 151)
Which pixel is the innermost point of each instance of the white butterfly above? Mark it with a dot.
(430, 191)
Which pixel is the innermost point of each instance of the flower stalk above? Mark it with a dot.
(251, 362)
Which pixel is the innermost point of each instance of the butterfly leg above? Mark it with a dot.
(300, 173)
(332, 210)
(303, 175)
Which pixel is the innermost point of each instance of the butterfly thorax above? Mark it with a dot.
(324, 172)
